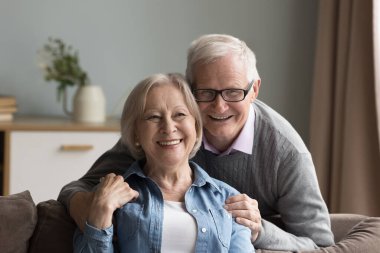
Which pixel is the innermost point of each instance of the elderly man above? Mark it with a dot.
(246, 144)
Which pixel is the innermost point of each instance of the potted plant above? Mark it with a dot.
(60, 63)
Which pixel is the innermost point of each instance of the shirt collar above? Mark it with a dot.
(201, 178)
(244, 141)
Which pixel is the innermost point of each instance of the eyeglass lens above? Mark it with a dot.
(229, 95)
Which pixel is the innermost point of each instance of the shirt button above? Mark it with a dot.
(203, 230)
(194, 210)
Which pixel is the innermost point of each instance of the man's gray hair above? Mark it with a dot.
(208, 48)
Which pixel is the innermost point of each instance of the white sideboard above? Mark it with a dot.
(42, 154)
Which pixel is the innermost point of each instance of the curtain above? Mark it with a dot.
(344, 124)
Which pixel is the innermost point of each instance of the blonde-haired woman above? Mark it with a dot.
(163, 203)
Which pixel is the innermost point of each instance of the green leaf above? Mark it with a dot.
(63, 66)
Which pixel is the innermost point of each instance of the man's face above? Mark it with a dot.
(223, 120)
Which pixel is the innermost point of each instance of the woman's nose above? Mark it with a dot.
(168, 126)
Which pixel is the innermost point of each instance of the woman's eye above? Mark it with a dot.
(154, 118)
(180, 115)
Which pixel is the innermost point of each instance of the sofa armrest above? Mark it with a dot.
(352, 233)
(341, 224)
(54, 230)
(18, 218)
(362, 237)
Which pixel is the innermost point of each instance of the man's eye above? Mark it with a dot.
(206, 93)
(233, 93)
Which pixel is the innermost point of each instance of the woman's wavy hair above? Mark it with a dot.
(135, 105)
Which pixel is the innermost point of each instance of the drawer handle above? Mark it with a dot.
(76, 147)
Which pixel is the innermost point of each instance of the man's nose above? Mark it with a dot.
(219, 103)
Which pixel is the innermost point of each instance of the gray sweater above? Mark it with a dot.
(279, 174)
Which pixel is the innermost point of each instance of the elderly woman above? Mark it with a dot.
(163, 203)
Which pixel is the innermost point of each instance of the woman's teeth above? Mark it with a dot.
(168, 143)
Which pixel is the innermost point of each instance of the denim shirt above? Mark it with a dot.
(139, 224)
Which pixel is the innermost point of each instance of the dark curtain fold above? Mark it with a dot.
(344, 130)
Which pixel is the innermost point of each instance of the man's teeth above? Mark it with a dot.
(167, 143)
(220, 117)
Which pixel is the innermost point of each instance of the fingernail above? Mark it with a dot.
(226, 207)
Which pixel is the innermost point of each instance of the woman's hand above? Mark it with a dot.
(112, 193)
(80, 207)
(246, 211)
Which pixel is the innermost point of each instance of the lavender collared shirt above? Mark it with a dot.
(243, 143)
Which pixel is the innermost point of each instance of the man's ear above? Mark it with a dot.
(256, 88)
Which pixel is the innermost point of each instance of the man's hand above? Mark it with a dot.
(246, 211)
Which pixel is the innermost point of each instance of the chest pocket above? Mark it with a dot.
(223, 223)
(129, 219)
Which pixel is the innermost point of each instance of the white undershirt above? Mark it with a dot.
(179, 229)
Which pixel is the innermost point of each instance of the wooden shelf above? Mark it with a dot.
(51, 123)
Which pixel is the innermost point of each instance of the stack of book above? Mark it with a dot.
(8, 107)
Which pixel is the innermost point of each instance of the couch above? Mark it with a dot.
(25, 227)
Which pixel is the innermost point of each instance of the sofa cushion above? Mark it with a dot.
(18, 218)
(54, 230)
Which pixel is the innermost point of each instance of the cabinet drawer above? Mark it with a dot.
(43, 162)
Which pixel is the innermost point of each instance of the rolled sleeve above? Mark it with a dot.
(93, 240)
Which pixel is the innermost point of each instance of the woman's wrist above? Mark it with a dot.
(100, 215)
(79, 207)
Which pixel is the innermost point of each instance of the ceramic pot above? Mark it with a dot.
(89, 105)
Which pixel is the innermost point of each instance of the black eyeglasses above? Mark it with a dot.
(229, 95)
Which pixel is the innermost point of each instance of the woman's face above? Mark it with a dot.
(167, 130)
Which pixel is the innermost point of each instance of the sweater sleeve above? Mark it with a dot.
(115, 160)
(301, 207)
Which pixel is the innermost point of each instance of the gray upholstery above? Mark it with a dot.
(52, 229)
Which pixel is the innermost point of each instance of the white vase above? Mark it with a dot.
(89, 105)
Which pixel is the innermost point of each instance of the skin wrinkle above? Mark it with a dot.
(226, 72)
